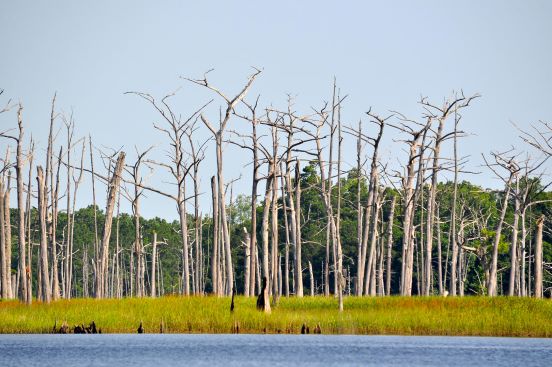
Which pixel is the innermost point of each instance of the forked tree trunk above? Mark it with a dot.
(42, 204)
(492, 286)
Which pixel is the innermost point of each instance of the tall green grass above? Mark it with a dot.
(500, 316)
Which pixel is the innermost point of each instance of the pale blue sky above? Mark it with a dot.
(384, 54)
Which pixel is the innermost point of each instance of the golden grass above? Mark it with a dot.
(500, 316)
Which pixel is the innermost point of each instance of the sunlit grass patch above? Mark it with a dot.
(500, 316)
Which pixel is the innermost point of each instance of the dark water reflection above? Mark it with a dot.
(270, 350)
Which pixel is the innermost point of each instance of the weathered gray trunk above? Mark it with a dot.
(389, 247)
(42, 204)
(101, 275)
(266, 214)
(492, 286)
(214, 252)
(408, 230)
(514, 245)
(311, 277)
(538, 258)
(431, 209)
(274, 238)
(154, 266)
(4, 274)
(439, 252)
(298, 255)
(23, 270)
(10, 284)
(247, 262)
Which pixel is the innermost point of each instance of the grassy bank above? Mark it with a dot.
(391, 315)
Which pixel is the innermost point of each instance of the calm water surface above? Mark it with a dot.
(270, 350)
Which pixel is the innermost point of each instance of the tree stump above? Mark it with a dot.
(263, 301)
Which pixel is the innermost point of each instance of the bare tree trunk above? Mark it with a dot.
(358, 285)
(8, 240)
(266, 214)
(138, 245)
(431, 207)
(55, 202)
(53, 199)
(214, 254)
(368, 289)
(247, 255)
(29, 277)
(298, 255)
(4, 274)
(311, 277)
(274, 231)
(42, 204)
(453, 237)
(340, 278)
(389, 246)
(523, 254)
(439, 252)
(514, 271)
(538, 258)
(224, 221)
(23, 295)
(197, 225)
(101, 275)
(154, 266)
(72, 225)
(492, 286)
(408, 207)
(287, 219)
(68, 250)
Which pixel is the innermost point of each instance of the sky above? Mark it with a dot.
(384, 55)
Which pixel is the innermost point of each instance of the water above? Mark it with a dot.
(269, 350)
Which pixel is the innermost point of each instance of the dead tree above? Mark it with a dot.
(215, 272)
(24, 271)
(389, 246)
(5, 263)
(178, 168)
(137, 181)
(102, 268)
(197, 151)
(512, 168)
(219, 138)
(538, 259)
(416, 147)
(52, 223)
(364, 224)
(42, 209)
(254, 148)
(441, 115)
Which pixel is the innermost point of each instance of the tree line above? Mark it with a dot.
(311, 225)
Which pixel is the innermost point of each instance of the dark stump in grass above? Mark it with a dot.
(263, 301)
(232, 303)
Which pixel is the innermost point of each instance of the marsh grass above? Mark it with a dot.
(500, 316)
